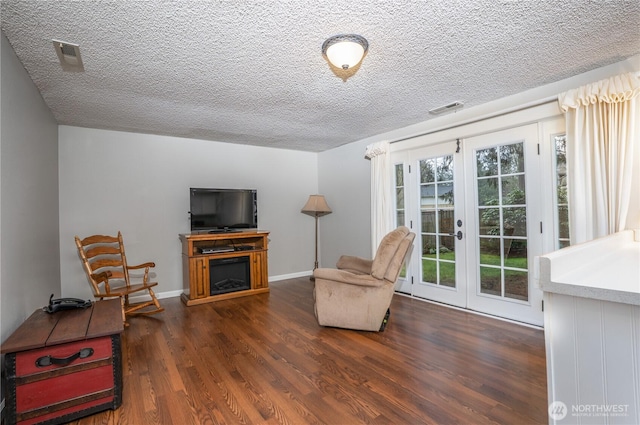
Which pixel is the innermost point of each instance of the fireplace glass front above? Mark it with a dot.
(229, 275)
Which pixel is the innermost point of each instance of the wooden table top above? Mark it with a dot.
(42, 329)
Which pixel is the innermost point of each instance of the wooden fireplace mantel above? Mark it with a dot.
(199, 248)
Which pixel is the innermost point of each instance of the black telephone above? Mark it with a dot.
(65, 304)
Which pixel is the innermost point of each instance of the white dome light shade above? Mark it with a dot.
(345, 54)
(346, 50)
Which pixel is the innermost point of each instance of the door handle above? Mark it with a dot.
(457, 235)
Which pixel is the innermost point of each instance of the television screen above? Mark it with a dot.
(223, 209)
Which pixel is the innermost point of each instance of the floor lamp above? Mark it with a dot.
(316, 207)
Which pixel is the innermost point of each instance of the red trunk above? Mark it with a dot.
(68, 375)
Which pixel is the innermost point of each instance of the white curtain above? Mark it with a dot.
(603, 142)
(381, 196)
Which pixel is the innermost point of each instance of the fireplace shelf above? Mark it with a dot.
(236, 262)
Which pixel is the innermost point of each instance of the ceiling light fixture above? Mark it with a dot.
(345, 50)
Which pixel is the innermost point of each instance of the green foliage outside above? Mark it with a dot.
(448, 273)
(514, 220)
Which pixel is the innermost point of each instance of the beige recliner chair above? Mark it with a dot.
(357, 294)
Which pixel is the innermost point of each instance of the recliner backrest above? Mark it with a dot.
(386, 253)
(395, 266)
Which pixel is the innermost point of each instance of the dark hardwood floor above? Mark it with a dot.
(264, 359)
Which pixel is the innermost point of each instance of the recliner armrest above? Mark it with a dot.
(345, 276)
(354, 264)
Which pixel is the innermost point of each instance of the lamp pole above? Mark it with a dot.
(316, 207)
(315, 264)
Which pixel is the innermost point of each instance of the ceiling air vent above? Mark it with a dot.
(69, 56)
(446, 108)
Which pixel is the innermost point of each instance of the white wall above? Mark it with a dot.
(139, 184)
(345, 180)
(29, 256)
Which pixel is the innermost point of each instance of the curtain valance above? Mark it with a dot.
(620, 88)
(376, 149)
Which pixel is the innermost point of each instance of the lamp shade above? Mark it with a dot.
(316, 206)
(345, 50)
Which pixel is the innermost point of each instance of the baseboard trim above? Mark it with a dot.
(178, 292)
(290, 276)
(159, 295)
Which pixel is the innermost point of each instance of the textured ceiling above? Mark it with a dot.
(251, 72)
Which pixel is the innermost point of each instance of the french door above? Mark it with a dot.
(477, 216)
(437, 189)
(504, 223)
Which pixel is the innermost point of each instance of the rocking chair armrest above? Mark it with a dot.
(142, 266)
(103, 277)
(146, 266)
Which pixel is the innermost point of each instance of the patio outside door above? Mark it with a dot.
(503, 185)
(477, 217)
(439, 252)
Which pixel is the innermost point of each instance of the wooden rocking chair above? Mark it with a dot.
(106, 266)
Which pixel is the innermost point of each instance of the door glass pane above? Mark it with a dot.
(429, 271)
(487, 162)
(490, 251)
(399, 175)
(400, 207)
(445, 224)
(563, 223)
(516, 284)
(491, 281)
(488, 191)
(399, 185)
(489, 221)
(515, 253)
(429, 247)
(512, 158)
(514, 221)
(429, 221)
(447, 274)
(445, 168)
(399, 198)
(400, 217)
(429, 259)
(428, 195)
(513, 190)
(427, 171)
(502, 221)
(447, 249)
(437, 220)
(445, 194)
(560, 145)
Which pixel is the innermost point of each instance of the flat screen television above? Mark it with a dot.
(221, 210)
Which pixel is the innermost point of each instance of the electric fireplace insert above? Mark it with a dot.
(229, 275)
